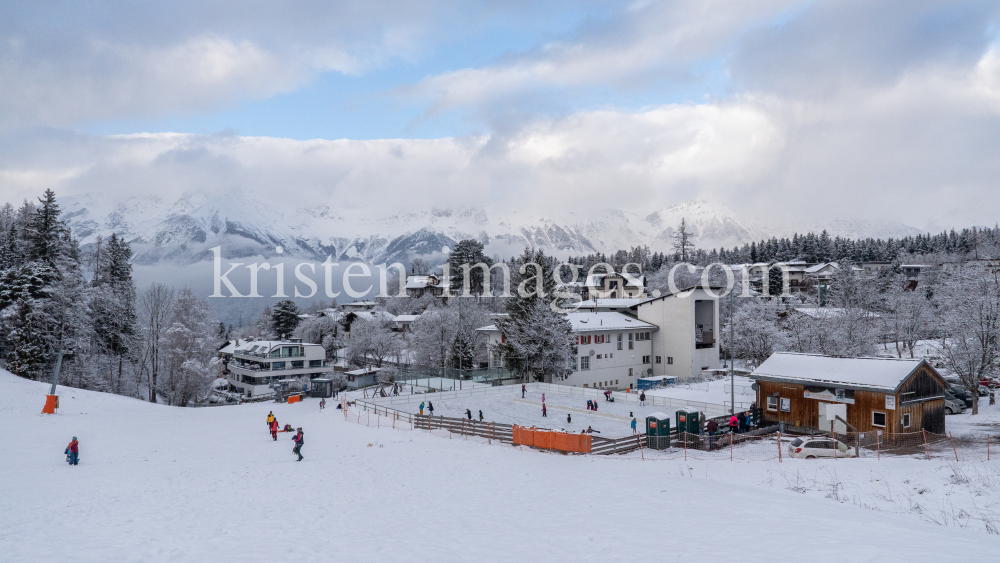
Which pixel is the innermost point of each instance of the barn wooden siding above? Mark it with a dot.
(918, 396)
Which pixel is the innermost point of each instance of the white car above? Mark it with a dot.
(815, 447)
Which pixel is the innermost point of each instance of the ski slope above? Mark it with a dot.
(158, 483)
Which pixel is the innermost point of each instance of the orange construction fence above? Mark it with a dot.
(294, 399)
(551, 440)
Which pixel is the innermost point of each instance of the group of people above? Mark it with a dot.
(591, 405)
(742, 421)
(272, 425)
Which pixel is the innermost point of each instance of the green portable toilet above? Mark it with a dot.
(688, 421)
(658, 431)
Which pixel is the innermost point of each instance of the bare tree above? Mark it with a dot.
(972, 326)
(155, 308)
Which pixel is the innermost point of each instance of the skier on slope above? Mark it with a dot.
(73, 452)
(274, 429)
(523, 389)
(299, 442)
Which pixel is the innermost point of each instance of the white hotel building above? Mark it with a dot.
(613, 350)
(257, 364)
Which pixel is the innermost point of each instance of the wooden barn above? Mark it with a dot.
(811, 390)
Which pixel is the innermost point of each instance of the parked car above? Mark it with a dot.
(990, 382)
(952, 404)
(816, 447)
(961, 394)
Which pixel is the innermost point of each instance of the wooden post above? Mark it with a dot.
(685, 447)
(987, 446)
(878, 445)
(779, 447)
(953, 445)
(926, 449)
(639, 440)
(834, 438)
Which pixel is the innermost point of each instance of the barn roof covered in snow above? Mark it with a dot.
(875, 374)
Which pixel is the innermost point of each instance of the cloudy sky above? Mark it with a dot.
(847, 109)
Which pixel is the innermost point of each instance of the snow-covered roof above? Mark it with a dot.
(594, 322)
(362, 371)
(406, 318)
(878, 374)
(659, 415)
(421, 282)
(374, 315)
(622, 303)
(266, 345)
(360, 304)
(634, 280)
(583, 321)
(821, 267)
(659, 378)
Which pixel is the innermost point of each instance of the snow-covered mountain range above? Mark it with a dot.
(184, 230)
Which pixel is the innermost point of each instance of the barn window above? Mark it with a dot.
(772, 403)
(878, 419)
(906, 420)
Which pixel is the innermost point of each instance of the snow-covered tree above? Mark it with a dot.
(754, 334)
(191, 351)
(972, 326)
(285, 318)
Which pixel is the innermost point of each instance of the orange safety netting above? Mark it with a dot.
(551, 440)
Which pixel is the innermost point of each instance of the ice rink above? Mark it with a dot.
(505, 405)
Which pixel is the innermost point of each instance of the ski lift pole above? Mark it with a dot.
(52, 400)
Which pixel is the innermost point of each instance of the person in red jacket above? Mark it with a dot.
(299, 442)
(73, 452)
(274, 429)
(734, 424)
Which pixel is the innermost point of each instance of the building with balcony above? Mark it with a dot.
(687, 338)
(254, 365)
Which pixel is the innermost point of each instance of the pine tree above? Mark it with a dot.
(683, 242)
(284, 318)
(27, 356)
(46, 230)
(468, 252)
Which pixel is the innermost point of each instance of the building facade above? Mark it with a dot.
(687, 339)
(254, 365)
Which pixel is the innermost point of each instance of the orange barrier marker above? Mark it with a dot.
(51, 404)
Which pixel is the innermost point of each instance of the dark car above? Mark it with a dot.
(961, 395)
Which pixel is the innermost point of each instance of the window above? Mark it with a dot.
(586, 385)
(584, 363)
(659, 359)
(772, 403)
(670, 360)
(906, 420)
(613, 284)
(315, 363)
(878, 419)
(276, 353)
(599, 339)
(619, 341)
(277, 365)
(298, 364)
(585, 340)
(630, 372)
(616, 382)
(645, 359)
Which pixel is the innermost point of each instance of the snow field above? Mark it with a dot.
(157, 483)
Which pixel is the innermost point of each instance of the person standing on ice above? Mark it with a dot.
(421, 408)
(569, 418)
(322, 403)
(642, 398)
(299, 442)
(430, 407)
(480, 415)
(468, 413)
(544, 413)
(274, 429)
(588, 404)
(633, 426)
(523, 389)
(73, 452)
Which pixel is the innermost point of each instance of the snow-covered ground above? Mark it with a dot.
(158, 483)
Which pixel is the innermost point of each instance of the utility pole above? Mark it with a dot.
(729, 344)
(52, 400)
